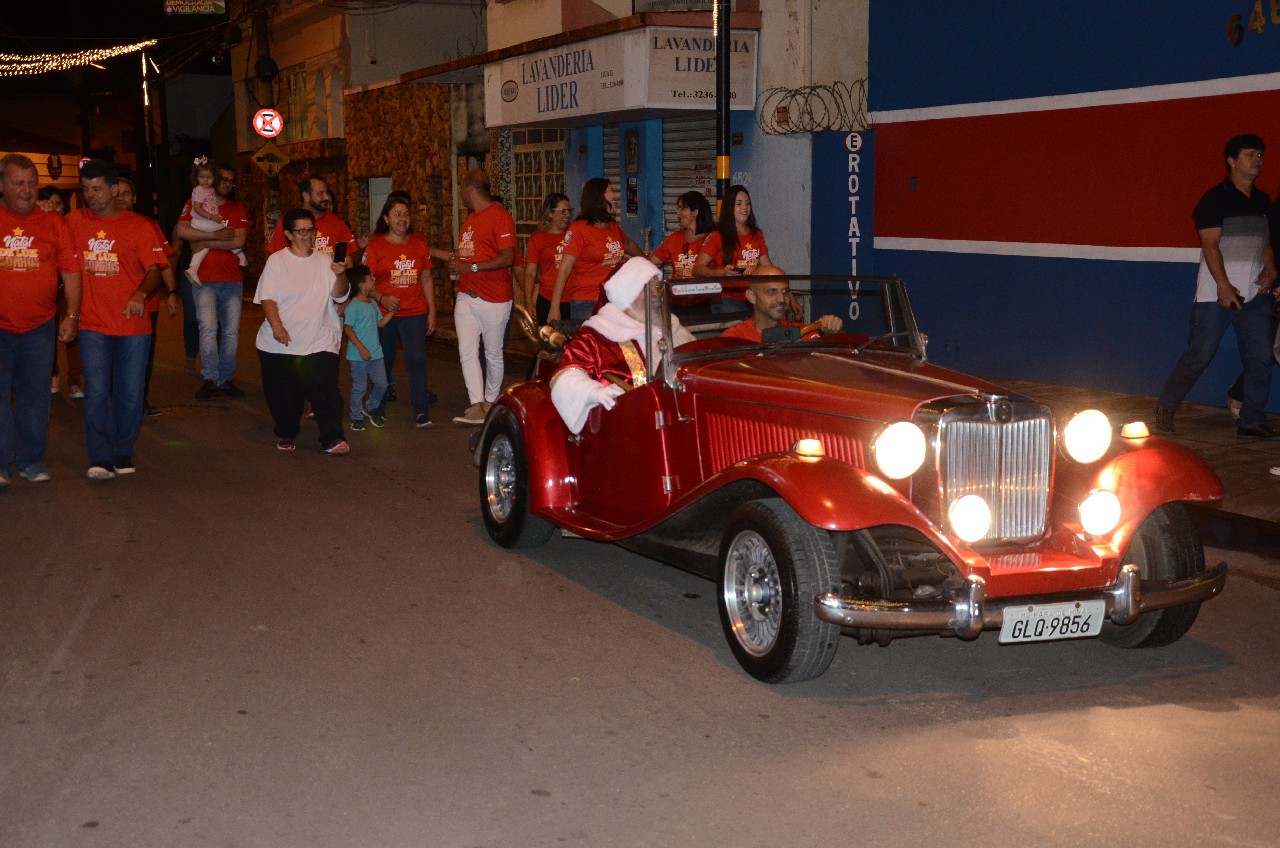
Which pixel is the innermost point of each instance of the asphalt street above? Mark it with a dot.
(242, 648)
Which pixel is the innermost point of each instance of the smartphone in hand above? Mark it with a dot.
(340, 252)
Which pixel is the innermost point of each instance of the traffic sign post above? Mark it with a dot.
(270, 158)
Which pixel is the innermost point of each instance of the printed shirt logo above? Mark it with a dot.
(466, 245)
(613, 253)
(18, 252)
(101, 259)
(404, 272)
(749, 257)
(683, 269)
(324, 243)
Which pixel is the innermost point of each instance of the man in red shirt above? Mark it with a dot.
(35, 248)
(486, 290)
(221, 291)
(120, 254)
(770, 299)
(330, 229)
(126, 198)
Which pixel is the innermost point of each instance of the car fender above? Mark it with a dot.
(1145, 474)
(544, 437)
(829, 493)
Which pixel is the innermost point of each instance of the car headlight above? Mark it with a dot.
(1087, 436)
(899, 450)
(1100, 512)
(970, 518)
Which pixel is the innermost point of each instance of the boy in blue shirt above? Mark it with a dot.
(360, 323)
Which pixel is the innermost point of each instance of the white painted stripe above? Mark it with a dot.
(1087, 99)
(1044, 250)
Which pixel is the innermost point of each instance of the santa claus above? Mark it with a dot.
(607, 354)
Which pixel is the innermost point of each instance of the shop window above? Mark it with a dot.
(537, 170)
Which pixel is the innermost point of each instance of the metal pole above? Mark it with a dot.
(720, 25)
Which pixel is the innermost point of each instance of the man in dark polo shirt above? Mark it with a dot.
(1237, 270)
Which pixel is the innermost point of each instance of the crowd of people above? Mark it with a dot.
(95, 280)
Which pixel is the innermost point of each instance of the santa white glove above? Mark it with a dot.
(606, 395)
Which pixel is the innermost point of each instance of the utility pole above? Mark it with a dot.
(720, 28)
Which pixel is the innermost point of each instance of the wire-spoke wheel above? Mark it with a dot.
(504, 488)
(772, 565)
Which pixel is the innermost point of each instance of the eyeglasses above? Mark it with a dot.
(303, 231)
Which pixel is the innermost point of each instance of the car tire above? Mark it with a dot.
(772, 565)
(1166, 547)
(504, 487)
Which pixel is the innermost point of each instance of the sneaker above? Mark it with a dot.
(76, 393)
(474, 415)
(150, 411)
(208, 391)
(390, 393)
(1275, 469)
(338, 448)
(4, 480)
(1163, 423)
(36, 473)
(230, 389)
(124, 465)
(53, 386)
(375, 417)
(1234, 406)
(100, 471)
(357, 424)
(422, 422)
(284, 444)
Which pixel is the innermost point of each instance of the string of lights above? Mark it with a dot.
(13, 64)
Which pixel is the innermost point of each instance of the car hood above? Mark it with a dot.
(837, 381)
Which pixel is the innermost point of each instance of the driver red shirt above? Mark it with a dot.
(34, 249)
(115, 254)
(749, 331)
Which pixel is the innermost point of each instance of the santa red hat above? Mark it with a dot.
(628, 281)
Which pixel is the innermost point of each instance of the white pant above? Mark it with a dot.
(476, 319)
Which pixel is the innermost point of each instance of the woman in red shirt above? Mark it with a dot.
(593, 247)
(735, 246)
(400, 260)
(681, 248)
(542, 255)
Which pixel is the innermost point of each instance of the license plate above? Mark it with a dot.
(1040, 623)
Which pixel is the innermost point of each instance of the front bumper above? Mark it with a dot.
(971, 613)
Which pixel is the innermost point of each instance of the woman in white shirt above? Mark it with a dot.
(299, 340)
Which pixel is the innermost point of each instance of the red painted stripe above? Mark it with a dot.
(1116, 176)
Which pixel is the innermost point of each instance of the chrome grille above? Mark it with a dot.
(1002, 452)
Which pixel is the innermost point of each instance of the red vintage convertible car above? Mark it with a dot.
(843, 484)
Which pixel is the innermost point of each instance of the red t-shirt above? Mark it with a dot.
(33, 250)
(749, 331)
(680, 251)
(330, 230)
(484, 235)
(115, 254)
(222, 266)
(597, 251)
(745, 258)
(153, 299)
(544, 250)
(397, 269)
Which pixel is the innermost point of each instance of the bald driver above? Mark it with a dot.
(769, 298)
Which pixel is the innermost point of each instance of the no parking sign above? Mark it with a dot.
(268, 123)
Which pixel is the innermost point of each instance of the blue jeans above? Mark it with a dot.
(364, 373)
(580, 310)
(115, 369)
(412, 331)
(219, 303)
(26, 361)
(1209, 323)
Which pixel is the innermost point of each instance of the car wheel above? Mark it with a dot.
(772, 565)
(504, 488)
(1166, 547)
